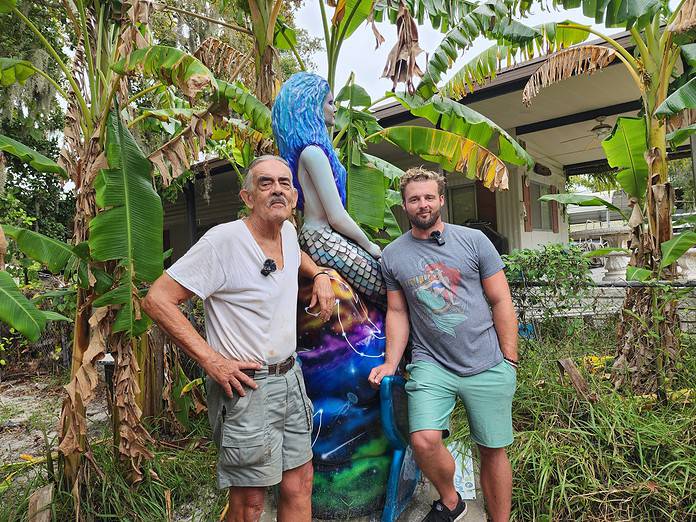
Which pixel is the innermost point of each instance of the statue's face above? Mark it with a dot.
(329, 109)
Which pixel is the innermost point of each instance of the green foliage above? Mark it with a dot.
(128, 229)
(560, 271)
(559, 264)
(483, 67)
(29, 156)
(15, 71)
(464, 121)
(676, 247)
(452, 152)
(681, 99)
(581, 200)
(625, 149)
(55, 255)
(621, 458)
(492, 19)
(236, 97)
(170, 66)
(17, 311)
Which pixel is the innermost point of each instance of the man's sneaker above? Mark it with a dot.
(440, 513)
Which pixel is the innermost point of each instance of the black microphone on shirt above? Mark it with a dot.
(436, 236)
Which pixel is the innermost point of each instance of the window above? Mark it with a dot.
(462, 204)
(541, 210)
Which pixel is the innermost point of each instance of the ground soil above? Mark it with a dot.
(30, 406)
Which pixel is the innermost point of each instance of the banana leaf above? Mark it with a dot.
(582, 200)
(6, 6)
(55, 255)
(676, 247)
(170, 66)
(452, 152)
(483, 67)
(365, 189)
(681, 99)
(15, 71)
(129, 226)
(30, 156)
(354, 94)
(464, 121)
(238, 99)
(490, 19)
(625, 149)
(19, 312)
(349, 15)
(679, 136)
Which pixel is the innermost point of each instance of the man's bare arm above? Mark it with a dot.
(321, 291)
(397, 336)
(504, 316)
(162, 304)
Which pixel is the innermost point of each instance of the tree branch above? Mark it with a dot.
(206, 18)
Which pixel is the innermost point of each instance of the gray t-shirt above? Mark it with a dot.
(450, 318)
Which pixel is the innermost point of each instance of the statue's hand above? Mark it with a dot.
(374, 251)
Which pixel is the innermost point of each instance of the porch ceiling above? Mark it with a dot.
(559, 113)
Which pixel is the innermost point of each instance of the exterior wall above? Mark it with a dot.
(536, 238)
(223, 206)
(510, 210)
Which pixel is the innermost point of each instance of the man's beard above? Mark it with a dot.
(424, 224)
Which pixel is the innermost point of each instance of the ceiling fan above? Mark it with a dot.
(599, 132)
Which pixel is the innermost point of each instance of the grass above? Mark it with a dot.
(618, 459)
(187, 475)
(8, 411)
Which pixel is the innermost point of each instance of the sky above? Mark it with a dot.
(358, 53)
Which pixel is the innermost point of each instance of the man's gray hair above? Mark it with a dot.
(249, 178)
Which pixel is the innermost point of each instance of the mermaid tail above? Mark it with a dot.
(328, 248)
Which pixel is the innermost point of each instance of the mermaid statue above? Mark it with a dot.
(351, 454)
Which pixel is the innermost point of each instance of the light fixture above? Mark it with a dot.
(601, 130)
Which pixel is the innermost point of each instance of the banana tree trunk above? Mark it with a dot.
(265, 76)
(72, 460)
(648, 346)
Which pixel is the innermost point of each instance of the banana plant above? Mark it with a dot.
(117, 237)
(662, 69)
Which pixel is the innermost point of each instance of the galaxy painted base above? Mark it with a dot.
(351, 454)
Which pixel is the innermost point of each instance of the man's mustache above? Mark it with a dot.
(277, 199)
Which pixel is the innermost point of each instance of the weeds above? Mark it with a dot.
(621, 458)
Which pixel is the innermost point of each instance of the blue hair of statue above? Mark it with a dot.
(298, 122)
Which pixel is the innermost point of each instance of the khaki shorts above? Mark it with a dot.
(264, 433)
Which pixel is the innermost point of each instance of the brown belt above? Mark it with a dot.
(280, 368)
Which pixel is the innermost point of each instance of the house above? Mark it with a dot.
(562, 130)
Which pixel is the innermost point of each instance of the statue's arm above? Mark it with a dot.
(316, 164)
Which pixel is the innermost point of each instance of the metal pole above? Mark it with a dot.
(692, 141)
(190, 198)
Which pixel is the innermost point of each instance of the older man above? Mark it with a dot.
(446, 286)
(246, 272)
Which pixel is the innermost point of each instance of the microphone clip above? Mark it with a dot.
(436, 236)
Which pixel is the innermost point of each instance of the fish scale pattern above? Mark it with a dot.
(330, 249)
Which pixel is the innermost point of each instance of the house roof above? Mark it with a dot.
(556, 127)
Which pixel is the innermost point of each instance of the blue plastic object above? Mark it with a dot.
(403, 472)
(526, 331)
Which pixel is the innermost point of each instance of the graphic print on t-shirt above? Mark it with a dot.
(436, 291)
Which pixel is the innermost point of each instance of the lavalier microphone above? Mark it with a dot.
(436, 236)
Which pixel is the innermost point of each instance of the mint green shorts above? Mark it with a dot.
(487, 396)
